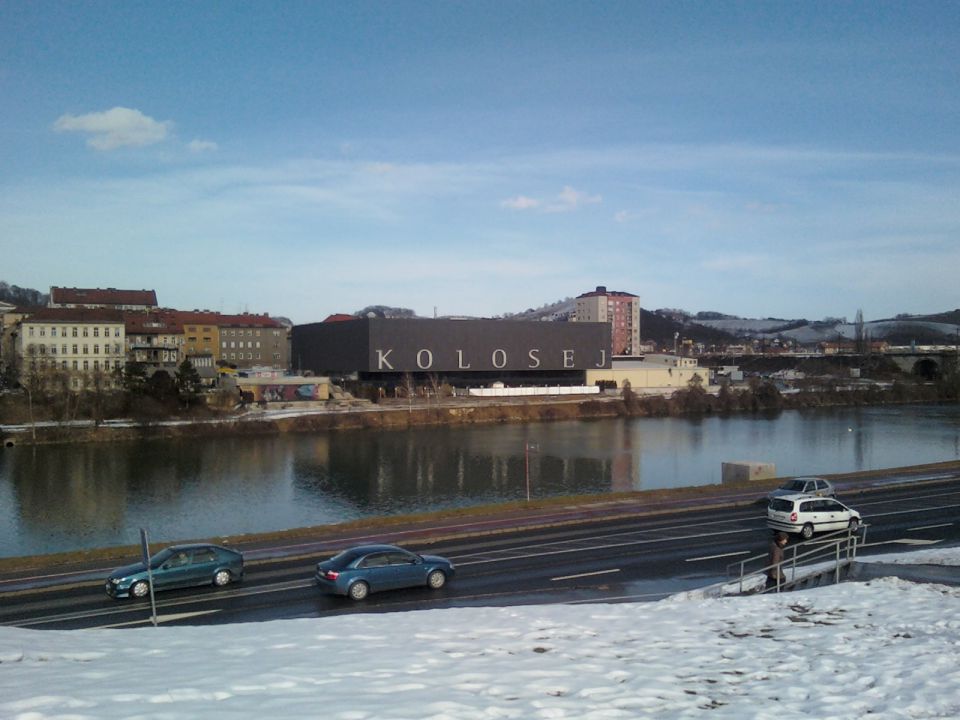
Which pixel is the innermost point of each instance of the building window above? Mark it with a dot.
(63, 349)
(86, 364)
(96, 332)
(53, 332)
(74, 333)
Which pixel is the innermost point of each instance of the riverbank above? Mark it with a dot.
(319, 417)
(403, 414)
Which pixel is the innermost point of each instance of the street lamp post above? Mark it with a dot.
(527, 447)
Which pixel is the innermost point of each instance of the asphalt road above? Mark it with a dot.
(569, 556)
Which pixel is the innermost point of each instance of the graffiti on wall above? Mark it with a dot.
(286, 393)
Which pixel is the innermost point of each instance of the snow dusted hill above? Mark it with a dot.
(899, 331)
(882, 649)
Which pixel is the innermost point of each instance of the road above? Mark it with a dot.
(633, 559)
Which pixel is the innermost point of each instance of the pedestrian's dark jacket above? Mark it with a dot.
(775, 557)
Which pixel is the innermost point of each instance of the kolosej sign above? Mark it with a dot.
(499, 359)
(400, 345)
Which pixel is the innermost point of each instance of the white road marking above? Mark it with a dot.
(589, 574)
(160, 619)
(714, 557)
(910, 541)
(929, 527)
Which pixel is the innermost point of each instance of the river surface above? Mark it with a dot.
(68, 497)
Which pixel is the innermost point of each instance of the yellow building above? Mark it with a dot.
(653, 373)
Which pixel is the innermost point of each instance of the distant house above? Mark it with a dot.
(154, 340)
(110, 298)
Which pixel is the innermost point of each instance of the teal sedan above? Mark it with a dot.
(178, 566)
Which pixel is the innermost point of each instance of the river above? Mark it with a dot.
(68, 497)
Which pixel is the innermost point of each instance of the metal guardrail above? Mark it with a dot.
(838, 548)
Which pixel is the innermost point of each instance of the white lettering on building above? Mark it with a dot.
(424, 364)
(382, 361)
(460, 364)
(534, 356)
(568, 358)
(499, 358)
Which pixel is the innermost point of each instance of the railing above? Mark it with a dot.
(837, 549)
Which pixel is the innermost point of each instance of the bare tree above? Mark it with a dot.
(861, 336)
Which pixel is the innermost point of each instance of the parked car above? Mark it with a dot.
(806, 515)
(178, 566)
(821, 487)
(371, 568)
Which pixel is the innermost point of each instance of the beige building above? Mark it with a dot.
(81, 342)
(620, 310)
(654, 373)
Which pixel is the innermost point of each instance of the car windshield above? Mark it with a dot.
(795, 485)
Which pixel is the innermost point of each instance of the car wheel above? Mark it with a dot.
(222, 577)
(436, 579)
(139, 589)
(854, 525)
(807, 531)
(359, 590)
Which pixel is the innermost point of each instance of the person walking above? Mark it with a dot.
(775, 576)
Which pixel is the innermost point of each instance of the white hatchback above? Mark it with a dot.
(805, 515)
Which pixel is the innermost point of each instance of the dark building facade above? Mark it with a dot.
(462, 352)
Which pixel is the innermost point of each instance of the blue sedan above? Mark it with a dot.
(362, 570)
(178, 566)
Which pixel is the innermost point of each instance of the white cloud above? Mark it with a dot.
(570, 199)
(199, 146)
(114, 128)
(520, 202)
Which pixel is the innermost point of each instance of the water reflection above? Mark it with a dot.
(68, 497)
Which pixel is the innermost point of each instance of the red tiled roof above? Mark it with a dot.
(152, 323)
(100, 296)
(339, 317)
(79, 315)
(207, 317)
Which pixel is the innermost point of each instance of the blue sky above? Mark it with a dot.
(761, 159)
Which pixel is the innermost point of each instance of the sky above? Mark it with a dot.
(882, 649)
(789, 160)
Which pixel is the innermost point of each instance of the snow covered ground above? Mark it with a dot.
(883, 649)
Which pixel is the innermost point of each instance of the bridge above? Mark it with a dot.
(929, 362)
(925, 361)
